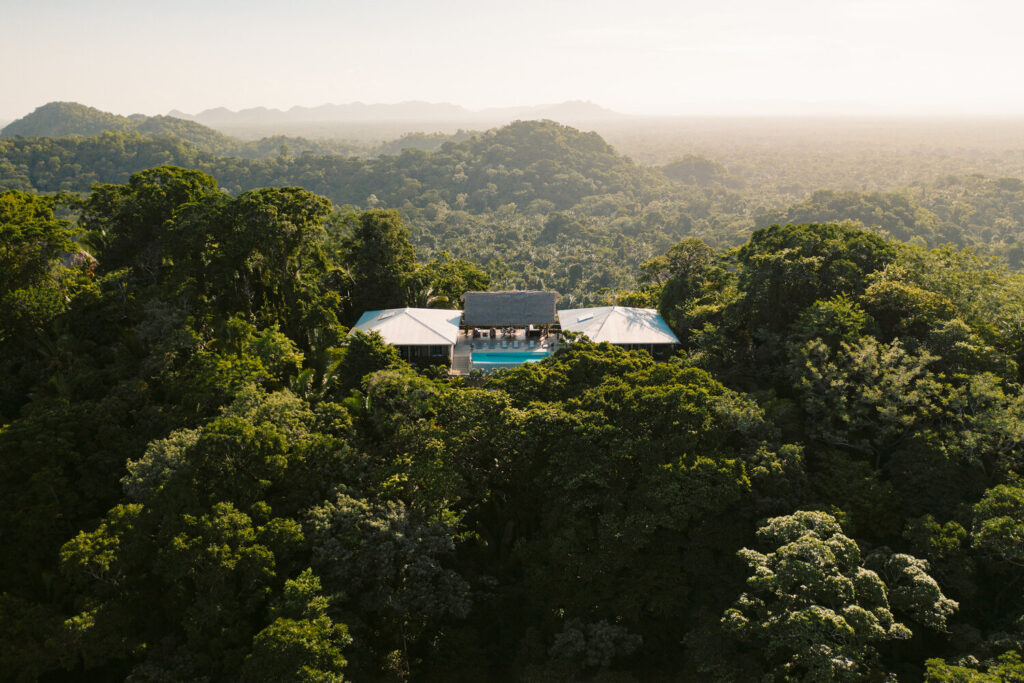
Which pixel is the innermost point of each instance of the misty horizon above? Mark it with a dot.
(753, 109)
(452, 112)
(653, 58)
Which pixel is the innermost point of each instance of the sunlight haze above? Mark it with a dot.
(648, 57)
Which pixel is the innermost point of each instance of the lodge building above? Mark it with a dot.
(421, 335)
(504, 329)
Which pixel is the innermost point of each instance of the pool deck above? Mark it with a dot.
(466, 344)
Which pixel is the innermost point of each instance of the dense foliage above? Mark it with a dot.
(539, 205)
(204, 477)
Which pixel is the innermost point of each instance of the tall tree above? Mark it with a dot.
(380, 259)
(129, 222)
(813, 612)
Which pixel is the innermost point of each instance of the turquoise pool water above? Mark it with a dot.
(510, 357)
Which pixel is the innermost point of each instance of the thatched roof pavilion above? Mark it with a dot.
(510, 309)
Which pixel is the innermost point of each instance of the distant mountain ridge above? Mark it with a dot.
(412, 111)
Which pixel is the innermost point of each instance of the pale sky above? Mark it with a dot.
(637, 56)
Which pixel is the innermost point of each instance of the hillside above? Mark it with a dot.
(543, 205)
(70, 119)
(63, 119)
(522, 162)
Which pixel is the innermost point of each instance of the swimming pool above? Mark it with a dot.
(508, 357)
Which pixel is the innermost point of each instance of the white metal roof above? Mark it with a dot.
(412, 326)
(618, 325)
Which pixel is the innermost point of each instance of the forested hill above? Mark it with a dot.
(521, 162)
(64, 119)
(71, 119)
(967, 210)
(541, 205)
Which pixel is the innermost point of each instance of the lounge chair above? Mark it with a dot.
(515, 344)
(504, 343)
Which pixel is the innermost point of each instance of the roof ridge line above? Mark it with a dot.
(601, 326)
(410, 308)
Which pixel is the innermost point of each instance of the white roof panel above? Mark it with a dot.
(412, 326)
(618, 325)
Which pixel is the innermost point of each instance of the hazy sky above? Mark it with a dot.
(637, 56)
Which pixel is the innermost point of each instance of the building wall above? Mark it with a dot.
(426, 355)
